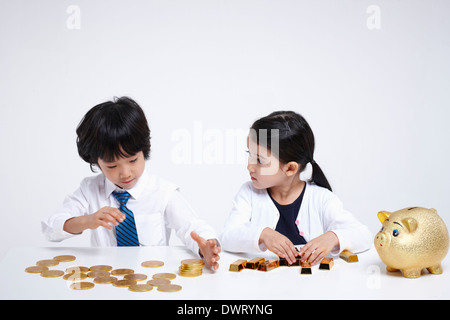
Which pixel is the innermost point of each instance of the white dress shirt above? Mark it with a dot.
(320, 211)
(157, 205)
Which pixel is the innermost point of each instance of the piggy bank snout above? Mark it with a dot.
(382, 239)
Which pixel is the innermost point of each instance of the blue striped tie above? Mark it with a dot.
(126, 232)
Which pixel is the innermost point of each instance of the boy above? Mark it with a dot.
(124, 205)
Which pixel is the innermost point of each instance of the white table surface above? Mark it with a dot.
(366, 279)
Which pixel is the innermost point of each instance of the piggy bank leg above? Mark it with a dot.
(435, 269)
(411, 273)
(390, 269)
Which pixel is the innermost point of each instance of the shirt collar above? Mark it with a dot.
(135, 192)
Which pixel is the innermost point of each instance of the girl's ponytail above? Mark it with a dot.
(318, 177)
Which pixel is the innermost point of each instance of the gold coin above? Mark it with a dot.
(52, 273)
(168, 276)
(47, 263)
(75, 276)
(36, 269)
(105, 280)
(82, 285)
(140, 287)
(95, 274)
(121, 272)
(193, 262)
(64, 258)
(135, 276)
(124, 283)
(152, 264)
(169, 288)
(158, 282)
(101, 268)
(77, 269)
(191, 267)
(186, 273)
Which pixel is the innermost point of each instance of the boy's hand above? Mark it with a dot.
(208, 249)
(319, 247)
(278, 244)
(104, 216)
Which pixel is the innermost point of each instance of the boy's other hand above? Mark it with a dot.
(209, 249)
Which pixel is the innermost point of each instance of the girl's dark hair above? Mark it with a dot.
(113, 129)
(295, 141)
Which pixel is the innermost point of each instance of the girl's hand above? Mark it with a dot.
(319, 247)
(103, 217)
(209, 250)
(278, 244)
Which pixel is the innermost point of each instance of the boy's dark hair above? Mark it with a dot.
(296, 141)
(113, 129)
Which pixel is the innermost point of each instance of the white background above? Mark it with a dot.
(377, 99)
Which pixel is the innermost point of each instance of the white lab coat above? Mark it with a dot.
(320, 211)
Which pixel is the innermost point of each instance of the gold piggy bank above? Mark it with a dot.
(412, 239)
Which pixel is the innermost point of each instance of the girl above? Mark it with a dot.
(277, 210)
(125, 205)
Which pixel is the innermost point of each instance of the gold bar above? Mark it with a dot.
(326, 264)
(306, 268)
(269, 265)
(297, 262)
(254, 263)
(283, 262)
(238, 265)
(348, 256)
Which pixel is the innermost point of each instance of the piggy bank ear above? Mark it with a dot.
(410, 223)
(383, 215)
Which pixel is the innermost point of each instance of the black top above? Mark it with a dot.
(288, 215)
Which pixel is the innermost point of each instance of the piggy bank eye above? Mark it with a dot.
(395, 233)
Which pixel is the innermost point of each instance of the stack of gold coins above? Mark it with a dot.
(191, 267)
